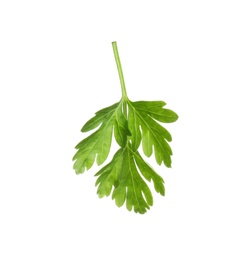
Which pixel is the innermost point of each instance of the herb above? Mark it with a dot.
(132, 124)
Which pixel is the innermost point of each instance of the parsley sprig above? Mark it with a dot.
(132, 124)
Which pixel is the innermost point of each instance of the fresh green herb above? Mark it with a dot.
(132, 124)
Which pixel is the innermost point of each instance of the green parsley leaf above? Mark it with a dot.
(124, 174)
(98, 144)
(142, 114)
(132, 124)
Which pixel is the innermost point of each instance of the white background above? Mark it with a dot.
(57, 68)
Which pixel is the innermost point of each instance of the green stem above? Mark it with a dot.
(117, 59)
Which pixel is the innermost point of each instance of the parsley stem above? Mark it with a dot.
(117, 59)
